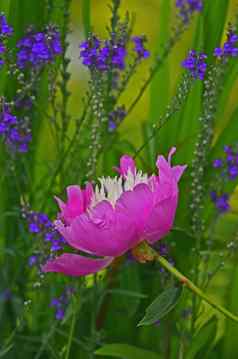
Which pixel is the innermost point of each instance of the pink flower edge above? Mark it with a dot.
(76, 265)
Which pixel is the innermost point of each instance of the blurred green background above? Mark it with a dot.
(41, 338)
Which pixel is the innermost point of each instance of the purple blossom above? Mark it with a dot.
(102, 55)
(233, 172)
(5, 32)
(195, 64)
(32, 260)
(40, 225)
(33, 228)
(217, 163)
(188, 7)
(14, 132)
(59, 315)
(5, 29)
(6, 295)
(38, 48)
(115, 118)
(140, 50)
(221, 201)
(229, 48)
(60, 304)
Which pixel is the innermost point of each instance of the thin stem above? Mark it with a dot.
(157, 66)
(71, 333)
(191, 286)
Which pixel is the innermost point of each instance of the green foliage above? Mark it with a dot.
(125, 351)
(161, 306)
(59, 157)
(203, 341)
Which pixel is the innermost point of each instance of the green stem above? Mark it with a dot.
(72, 327)
(190, 285)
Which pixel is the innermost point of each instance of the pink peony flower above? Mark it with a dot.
(116, 216)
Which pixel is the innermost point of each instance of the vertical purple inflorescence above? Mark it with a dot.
(227, 170)
(42, 228)
(140, 50)
(5, 32)
(107, 55)
(116, 117)
(13, 130)
(102, 55)
(188, 7)
(60, 303)
(229, 48)
(195, 63)
(38, 48)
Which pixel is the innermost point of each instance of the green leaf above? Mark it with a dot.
(128, 293)
(125, 351)
(203, 341)
(215, 17)
(6, 350)
(230, 344)
(161, 306)
(227, 136)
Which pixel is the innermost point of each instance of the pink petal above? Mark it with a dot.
(66, 232)
(137, 205)
(161, 219)
(103, 232)
(60, 203)
(88, 194)
(178, 171)
(75, 265)
(78, 201)
(166, 172)
(171, 153)
(126, 164)
(165, 197)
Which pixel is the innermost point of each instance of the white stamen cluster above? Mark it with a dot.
(111, 188)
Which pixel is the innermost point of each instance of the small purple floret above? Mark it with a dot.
(102, 55)
(217, 163)
(38, 49)
(195, 64)
(188, 7)
(221, 201)
(229, 48)
(141, 51)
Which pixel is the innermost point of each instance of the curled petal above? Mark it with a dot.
(167, 173)
(126, 164)
(75, 265)
(171, 153)
(178, 171)
(78, 201)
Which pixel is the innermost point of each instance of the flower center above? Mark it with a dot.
(111, 188)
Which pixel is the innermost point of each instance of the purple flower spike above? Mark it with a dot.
(102, 55)
(5, 29)
(60, 304)
(14, 131)
(195, 64)
(140, 50)
(229, 48)
(188, 7)
(116, 117)
(38, 49)
(221, 201)
(233, 172)
(217, 163)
